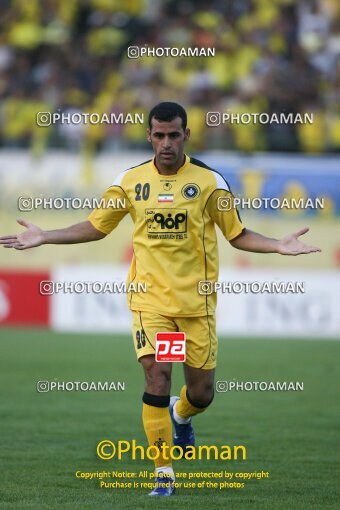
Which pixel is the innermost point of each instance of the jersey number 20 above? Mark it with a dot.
(142, 191)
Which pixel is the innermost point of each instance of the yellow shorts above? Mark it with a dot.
(201, 339)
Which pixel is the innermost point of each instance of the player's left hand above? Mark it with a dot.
(291, 245)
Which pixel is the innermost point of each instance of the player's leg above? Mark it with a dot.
(156, 397)
(199, 370)
(198, 392)
(156, 418)
(195, 397)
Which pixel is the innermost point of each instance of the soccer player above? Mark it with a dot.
(173, 200)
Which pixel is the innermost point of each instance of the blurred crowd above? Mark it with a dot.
(71, 56)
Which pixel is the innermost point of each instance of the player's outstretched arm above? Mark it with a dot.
(289, 245)
(34, 236)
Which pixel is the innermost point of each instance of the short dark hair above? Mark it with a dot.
(167, 111)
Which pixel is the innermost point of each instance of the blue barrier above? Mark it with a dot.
(281, 176)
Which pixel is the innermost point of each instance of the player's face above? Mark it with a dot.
(167, 139)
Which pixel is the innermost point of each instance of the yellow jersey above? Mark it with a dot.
(174, 238)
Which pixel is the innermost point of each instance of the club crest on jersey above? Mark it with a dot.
(190, 191)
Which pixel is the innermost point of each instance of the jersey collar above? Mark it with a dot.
(179, 171)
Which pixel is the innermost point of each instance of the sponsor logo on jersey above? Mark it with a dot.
(166, 220)
(167, 186)
(191, 191)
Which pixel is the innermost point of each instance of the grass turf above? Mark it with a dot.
(47, 437)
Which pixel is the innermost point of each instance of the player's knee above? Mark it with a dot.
(155, 370)
(147, 362)
(157, 376)
(201, 395)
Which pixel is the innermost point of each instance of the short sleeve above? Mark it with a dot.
(111, 210)
(224, 213)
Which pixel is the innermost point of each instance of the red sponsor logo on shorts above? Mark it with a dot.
(170, 346)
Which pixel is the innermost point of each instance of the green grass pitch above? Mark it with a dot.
(46, 437)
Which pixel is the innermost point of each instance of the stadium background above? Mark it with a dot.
(71, 56)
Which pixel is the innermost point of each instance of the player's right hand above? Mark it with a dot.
(32, 236)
